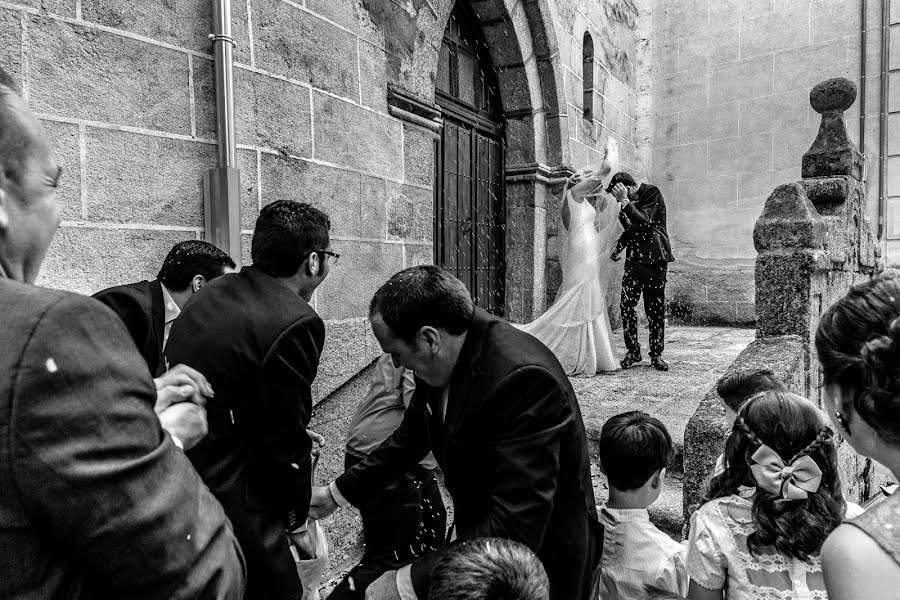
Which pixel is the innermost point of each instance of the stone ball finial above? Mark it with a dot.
(833, 153)
(833, 94)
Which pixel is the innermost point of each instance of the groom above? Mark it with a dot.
(643, 215)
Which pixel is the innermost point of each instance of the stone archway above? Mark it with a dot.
(522, 43)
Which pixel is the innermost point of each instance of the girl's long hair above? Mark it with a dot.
(792, 426)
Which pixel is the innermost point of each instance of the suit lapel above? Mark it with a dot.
(159, 317)
(466, 370)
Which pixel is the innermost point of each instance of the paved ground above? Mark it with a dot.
(697, 357)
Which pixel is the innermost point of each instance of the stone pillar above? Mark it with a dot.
(813, 242)
(526, 246)
(813, 239)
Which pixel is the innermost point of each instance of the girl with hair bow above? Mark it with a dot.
(767, 514)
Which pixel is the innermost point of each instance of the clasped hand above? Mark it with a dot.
(322, 503)
(181, 394)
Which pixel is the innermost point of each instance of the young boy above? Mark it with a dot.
(634, 451)
(735, 388)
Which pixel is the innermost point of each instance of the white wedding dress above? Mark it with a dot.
(576, 327)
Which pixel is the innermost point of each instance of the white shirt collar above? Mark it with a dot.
(172, 310)
(626, 515)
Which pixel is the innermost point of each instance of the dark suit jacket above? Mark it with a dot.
(258, 343)
(645, 228)
(513, 450)
(140, 306)
(95, 499)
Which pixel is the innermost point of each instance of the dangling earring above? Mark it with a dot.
(842, 421)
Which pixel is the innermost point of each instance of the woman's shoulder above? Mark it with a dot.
(882, 524)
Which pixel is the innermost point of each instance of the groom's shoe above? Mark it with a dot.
(630, 359)
(659, 364)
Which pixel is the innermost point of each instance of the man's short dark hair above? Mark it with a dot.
(286, 234)
(489, 569)
(420, 296)
(735, 388)
(621, 177)
(15, 143)
(190, 258)
(633, 446)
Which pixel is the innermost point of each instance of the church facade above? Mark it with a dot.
(439, 131)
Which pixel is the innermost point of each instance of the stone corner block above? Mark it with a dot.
(788, 220)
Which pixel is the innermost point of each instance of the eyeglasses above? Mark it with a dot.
(333, 255)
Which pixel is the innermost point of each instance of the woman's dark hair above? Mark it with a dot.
(633, 446)
(792, 426)
(420, 296)
(858, 343)
(286, 234)
(190, 258)
(735, 388)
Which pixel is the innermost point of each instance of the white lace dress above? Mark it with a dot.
(576, 328)
(718, 558)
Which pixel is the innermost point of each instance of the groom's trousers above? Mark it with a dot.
(649, 281)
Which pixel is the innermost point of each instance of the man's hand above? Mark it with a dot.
(322, 503)
(620, 192)
(303, 543)
(185, 421)
(318, 442)
(181, 384)
(384, 588)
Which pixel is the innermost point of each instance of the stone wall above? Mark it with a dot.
(127, 93)
(731, 120)
(621, 34)
(814, 242)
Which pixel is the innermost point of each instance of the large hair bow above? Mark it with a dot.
(793, 482)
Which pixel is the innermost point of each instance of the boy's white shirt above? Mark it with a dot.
(636, 553)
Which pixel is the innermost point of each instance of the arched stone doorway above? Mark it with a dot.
(519, 42)
(520, 39)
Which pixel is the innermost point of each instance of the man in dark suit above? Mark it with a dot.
(643, 214)
(257, 339)
(499, 413)
(148, 308)
(96, 501)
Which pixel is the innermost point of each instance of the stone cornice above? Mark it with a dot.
(406, 106)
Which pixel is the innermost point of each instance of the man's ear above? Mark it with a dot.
(4, 207)
(197, 282)
(431, 337)
(312, 264)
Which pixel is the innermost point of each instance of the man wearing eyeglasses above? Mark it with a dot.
(258, 341)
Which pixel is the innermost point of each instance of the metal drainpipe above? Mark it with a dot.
(883, 117)
(222, 184)
(862, 80)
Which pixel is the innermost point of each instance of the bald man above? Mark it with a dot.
(96, 500)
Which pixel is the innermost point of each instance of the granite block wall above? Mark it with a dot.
(731, 120)
(618, 116)
(127, 93)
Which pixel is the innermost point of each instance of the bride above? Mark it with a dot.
(576, 328)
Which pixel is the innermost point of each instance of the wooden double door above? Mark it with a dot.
(470, 212)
